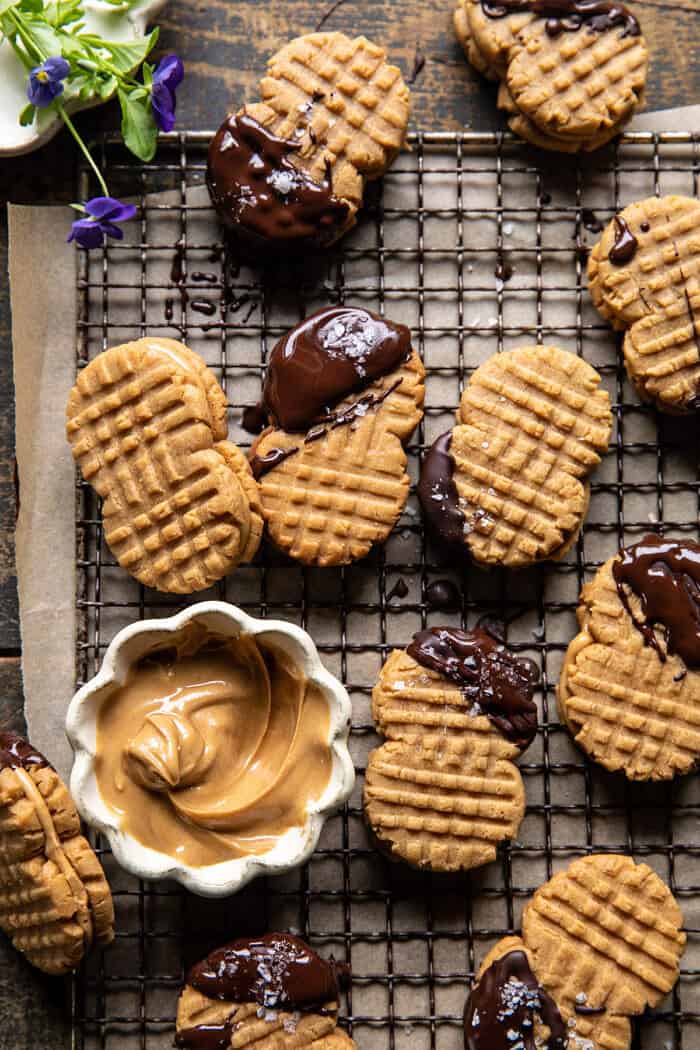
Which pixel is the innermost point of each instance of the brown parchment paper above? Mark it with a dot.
(45, 538)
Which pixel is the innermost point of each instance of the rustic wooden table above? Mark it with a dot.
(224, 44)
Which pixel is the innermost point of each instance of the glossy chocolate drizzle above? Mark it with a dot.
(16, 752)
(333, 353)
(438, 494)
(205, 1037)
(568, 15)
(278, 971)
(502, 1010)
(625, 247)
(491, 677)
(260, 465)
(254, 185)
(665, 577)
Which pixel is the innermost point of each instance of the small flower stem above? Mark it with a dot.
(26, 36)
(83, 148)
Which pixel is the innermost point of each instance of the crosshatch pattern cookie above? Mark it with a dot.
(508, 482)
(456, 709)
(272, 992)
(333, 115)
(573, 73)
(601, 941)
(54, 899)
(644, 277)
(147, 425)
(333, 481)
(629, 690)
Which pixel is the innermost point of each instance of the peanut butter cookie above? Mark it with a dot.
(457, 709)
(54, 899)
(343, 391)
(644, 277)
(289, 172)
(507, 483)
(573, 72)
(601, 941)
(147, 425)
(629, 690)
(272, 992)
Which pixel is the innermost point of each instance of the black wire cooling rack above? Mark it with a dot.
(479, 244)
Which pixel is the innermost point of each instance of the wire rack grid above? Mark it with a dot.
(479, 245)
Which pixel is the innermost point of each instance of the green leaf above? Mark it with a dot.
(139, 129)
(46, 38)
(107, 87)
(147, 73)
(27, 115)
(34, 7)
(126, 57)
(6, 5)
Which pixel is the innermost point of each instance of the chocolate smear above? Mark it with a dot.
(256, 189)
(254, 418)
(442, 594)
(205, 1037)
(399, 590)
(502, 1010)
(278, 971)
(327, 357)
(589, 1011)
(260, 465)
(489, 675)
(665, 577)
(418, 67)
(625, 247)
(438, 494)
(569, 15)
(16, 752)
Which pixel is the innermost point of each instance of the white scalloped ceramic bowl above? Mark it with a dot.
(134, 642)
(109, 22)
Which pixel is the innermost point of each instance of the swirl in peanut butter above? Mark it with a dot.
(213, 754)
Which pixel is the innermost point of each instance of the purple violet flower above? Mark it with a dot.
(167, 76)
(46, 81)
(101, 214)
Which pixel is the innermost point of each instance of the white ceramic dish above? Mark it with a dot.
(111, 24)
(133, 642)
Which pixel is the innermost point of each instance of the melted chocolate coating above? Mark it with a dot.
(257, 191)
(260, 465)
(438, 494)
(506, 1001)
(254, 419)
(330, 355)
(16, 752)
(205, 1037)
(277, 971)
(665, 576)
(625, 247)
(561, 15)
(491, 677)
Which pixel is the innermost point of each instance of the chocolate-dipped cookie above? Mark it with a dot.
(343, 391)
(288, 173)
(456, 708)
(629, 690)
(507, 485)
(272, 991)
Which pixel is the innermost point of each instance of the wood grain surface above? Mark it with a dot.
(224, 45)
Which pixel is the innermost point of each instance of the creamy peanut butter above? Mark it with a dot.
(213, 749)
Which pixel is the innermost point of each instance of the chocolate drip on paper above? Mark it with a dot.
(260, 465)
(665, 577)
(254, 185)
(569, 15)
(438, 494)
(278, 971)
(625, 247)
(442, 594)
(18, 753)
(254, 419)
(205, 1037)
(492, 678)
(501, 1011)
(333, 353)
